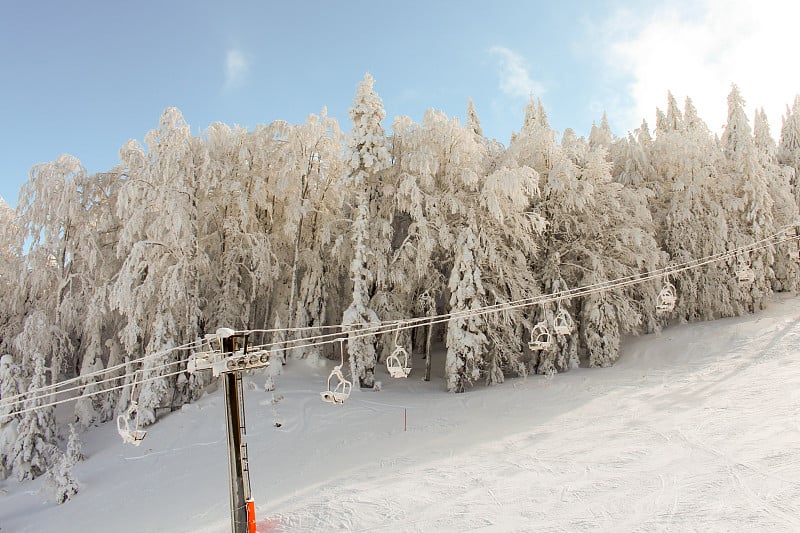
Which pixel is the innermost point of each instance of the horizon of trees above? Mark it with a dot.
(304, 226)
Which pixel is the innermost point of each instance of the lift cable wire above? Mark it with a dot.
(355, 331)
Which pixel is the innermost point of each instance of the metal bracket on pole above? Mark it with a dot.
(222, 361)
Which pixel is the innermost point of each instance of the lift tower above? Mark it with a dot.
(229, 360)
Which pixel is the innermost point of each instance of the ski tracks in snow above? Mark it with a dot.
(688, 448)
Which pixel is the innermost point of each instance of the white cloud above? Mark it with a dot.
(700, 53)
(236, 68)
(515, 81)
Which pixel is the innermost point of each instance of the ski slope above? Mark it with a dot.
(694, 429)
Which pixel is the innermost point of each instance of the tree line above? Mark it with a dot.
(304, 226)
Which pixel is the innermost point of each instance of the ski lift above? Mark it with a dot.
(540, 337)
(790, 235)
(563, 322)
(131, 436)
(397, 363)
(341, 390)
(744, 274)
(666, 300)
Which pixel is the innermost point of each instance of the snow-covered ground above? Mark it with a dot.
(695, 429)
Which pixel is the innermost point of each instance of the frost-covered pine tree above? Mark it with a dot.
(86, 411)
(60, 480)
(10, 390)
(466, 340)
(689, 215)
(366, 158)
(35, 451)
(632, 165)
(784, 208)
(789, 145)
(473, 122)
(508, 233)
(361, 347)
(615, 241)
(74, 446)
(751, 218)
(449, 178)
(601, 136)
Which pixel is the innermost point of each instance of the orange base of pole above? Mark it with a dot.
(251, 516)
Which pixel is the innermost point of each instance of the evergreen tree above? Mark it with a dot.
(784, 208)
(752, 219)
(689, 215)
(473, 123)
(466, 340)
(601, 136)
(74, 446)
(360, 347)
(366, 159)
(60, 479)
(10, 387)
(789, 145)
(35, 451)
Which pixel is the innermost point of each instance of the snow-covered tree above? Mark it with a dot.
(751, 219)
(597, 230)
(784, 208)
(508, 231)
(466, 340)
(11, 267)
(601, 136)
(473, 122)
(10, 390)
(35, 450)
(74, 446)
(49, 216)
(60, 480)
(632, 165)
(358, 315)
(789, 145)
(158, 287)
(242, 265)
(310, 181)
(366, 159)
(689, 215)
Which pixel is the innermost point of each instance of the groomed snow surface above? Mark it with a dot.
(694, 429)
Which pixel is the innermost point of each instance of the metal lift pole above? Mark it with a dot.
(229, 363)
(237, 450)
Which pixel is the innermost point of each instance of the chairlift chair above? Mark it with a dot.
(135, 435)
(540, 337)
(341, 390)
(397, 363)
(666, 300)
(790, 236)
(744, 274)
(564, 324)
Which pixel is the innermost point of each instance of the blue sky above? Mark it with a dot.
(83, 77)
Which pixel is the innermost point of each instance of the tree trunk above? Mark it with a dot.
(428, 352)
